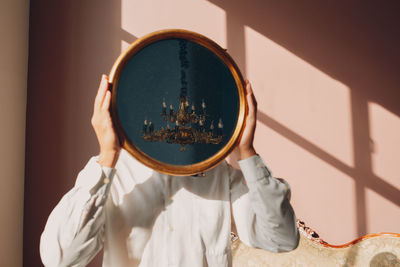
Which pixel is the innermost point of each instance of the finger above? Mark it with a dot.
(101, 92)
(251, 100)
(106, 90)
(249, 89)
(107, 101)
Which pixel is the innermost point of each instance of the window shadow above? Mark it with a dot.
(355, 43)
(369, 180)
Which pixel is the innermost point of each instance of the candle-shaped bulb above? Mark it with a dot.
(220, 124)
(186, 103)
(193, 108)
(164, 109)
(203, 104)
(168, 126)
(212, 126)
(176, 123)
(151, 127)
(171, 107)
(201, 122)
(145, 127)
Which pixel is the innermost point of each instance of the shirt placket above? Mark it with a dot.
(170, 210)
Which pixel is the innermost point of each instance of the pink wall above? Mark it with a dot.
(326, 79)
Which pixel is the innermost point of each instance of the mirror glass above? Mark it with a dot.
(177, 103)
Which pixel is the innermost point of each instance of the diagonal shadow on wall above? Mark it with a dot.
(377, 184)
(355, 43)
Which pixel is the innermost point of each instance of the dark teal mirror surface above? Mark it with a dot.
(184, 74)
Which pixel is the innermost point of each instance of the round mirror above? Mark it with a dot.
(178, 102)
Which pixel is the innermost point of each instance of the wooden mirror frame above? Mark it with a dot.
(180, 170)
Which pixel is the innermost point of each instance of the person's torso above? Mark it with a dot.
(154, 219)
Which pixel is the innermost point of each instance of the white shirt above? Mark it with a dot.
(145, 218)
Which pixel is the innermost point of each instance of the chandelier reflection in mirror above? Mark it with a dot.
(178, 102)
(188, 125)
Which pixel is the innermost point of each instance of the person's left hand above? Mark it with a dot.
(245, 146)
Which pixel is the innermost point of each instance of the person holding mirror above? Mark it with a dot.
(145, 218)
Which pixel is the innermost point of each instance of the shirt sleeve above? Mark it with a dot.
(73, 234)
(262, 212)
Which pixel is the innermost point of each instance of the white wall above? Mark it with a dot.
(14, 31)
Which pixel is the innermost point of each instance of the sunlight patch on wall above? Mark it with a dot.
(141, 17)
(385, 143)
(300, 96)
(383, 215)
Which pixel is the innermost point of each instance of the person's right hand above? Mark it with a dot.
(103, 126)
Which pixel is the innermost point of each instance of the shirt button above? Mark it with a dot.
(106, 180)
(171, 228)
(260, 165)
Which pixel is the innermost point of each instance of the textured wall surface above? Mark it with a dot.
(325, 76)
(14, 30)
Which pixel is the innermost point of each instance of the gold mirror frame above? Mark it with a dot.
(180, 170)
